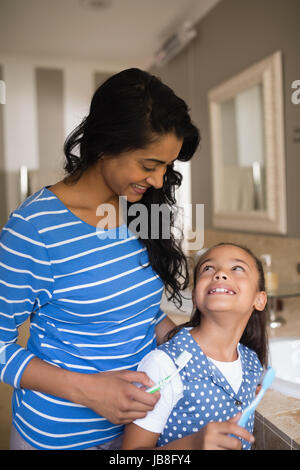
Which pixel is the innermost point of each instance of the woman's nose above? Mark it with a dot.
(156, 179)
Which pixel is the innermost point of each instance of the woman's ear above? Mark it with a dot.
(260, 301)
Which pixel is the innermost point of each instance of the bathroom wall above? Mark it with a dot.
(285, 251)
(2, 165)
(233, 36)
(46, 100)
(49, 97)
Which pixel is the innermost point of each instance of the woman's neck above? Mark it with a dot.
(84, 198)
(90, 189)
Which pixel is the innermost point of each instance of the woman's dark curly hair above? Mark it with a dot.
(129, 111)
(255, 334)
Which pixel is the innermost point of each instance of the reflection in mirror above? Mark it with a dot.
(243, 153)
(247, 137)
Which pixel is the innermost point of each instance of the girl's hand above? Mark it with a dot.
(114, 396)
(215, 436)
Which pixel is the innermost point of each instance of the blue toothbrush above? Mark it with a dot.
(267, 381)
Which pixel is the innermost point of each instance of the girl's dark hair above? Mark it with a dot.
(129, 111)
(255, 334)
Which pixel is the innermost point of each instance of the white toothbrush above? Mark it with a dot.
(181, 361)
(268, 379)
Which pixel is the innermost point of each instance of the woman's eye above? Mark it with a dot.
(148, 169)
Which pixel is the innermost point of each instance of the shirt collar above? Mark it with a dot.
(250, 362)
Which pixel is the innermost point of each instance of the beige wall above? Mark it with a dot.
(2, 165)
(49, 97)
(233, 36)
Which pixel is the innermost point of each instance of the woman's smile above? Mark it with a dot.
(139, 189)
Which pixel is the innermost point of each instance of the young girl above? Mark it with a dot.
(226, 336)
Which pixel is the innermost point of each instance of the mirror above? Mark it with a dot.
(247, 137)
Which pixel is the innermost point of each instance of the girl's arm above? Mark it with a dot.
(213, 436)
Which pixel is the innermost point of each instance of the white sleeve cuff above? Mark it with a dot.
(158, 365)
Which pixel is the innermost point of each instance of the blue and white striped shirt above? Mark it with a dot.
(94, 306)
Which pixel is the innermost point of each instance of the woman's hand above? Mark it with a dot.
(216, 436)
(114, 395)
(110, 394)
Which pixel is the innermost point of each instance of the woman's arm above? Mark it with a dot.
(110, 394)
(162, 329)
(213, 436)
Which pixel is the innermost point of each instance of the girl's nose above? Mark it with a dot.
(156, 179)
(220, 275)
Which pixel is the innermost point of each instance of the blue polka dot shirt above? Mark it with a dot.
(207, 395)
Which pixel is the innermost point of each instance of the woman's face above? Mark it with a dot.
(132, 173)
(227, 281)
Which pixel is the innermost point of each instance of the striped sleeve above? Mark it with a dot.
(26, 283)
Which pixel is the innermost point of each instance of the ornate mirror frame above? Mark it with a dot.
(268, 73)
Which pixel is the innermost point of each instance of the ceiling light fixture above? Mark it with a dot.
(96, 4)
(174, 44)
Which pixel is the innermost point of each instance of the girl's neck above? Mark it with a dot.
(218, 341)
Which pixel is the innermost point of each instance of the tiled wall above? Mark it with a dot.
(285, 251)
(269, 437)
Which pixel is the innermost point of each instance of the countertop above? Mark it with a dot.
(278, 412)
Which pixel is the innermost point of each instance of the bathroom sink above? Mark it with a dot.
(284, 356)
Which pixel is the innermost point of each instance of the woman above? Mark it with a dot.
(93, 298)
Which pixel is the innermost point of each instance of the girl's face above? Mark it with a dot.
(227, 282)
(132, 173)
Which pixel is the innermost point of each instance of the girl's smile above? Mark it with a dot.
(221, 289)
(226, 281)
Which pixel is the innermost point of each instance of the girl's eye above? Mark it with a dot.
(238, 268)
(207, 267)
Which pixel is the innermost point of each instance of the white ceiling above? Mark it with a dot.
(125, 34)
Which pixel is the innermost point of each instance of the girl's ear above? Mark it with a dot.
(260, 301)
